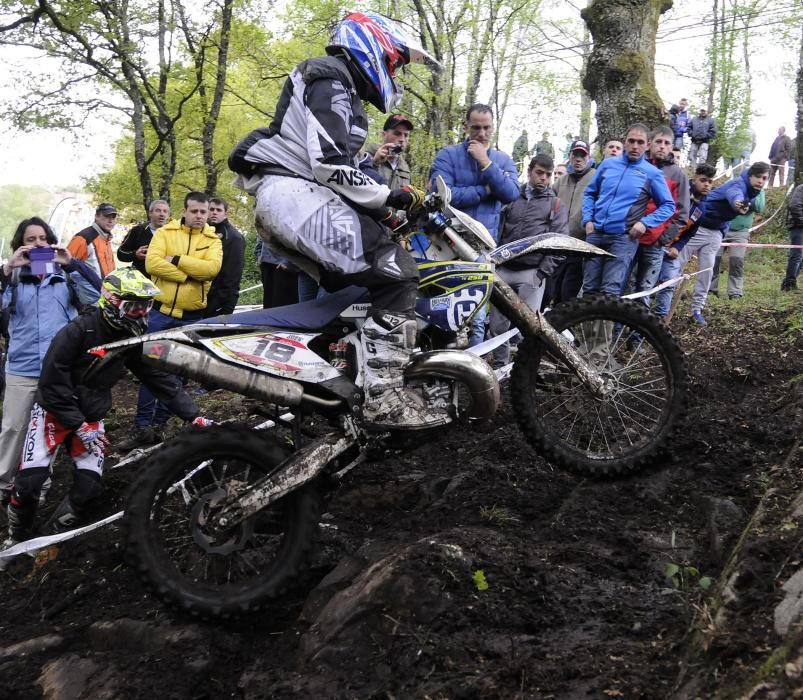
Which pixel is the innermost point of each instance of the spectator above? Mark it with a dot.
(679, 122)
(613, 148)
(560, 171)
(387, 159)
(135, 245)
(702, 130)
(614, 211)
(567, 279)
(700, 185)
(280, 280)
(718, 209)
(649, 256)
(93, 245)
(780, 152)
(538, 210)
(567, 149)
(521, 149)
(794, 221)
(544, 146)
(739, 232)
(37, 306)
(225, 289)
(183, 259)
(71, 404)
(482, 179)
(677, 157)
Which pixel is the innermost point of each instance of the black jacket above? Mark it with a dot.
(532, 214)
(225, 287)
(794, 218)
(139, 235)
(74, 395)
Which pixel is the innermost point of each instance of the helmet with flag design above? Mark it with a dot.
(126, 298)
(375, 48)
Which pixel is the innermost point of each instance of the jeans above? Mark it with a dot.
(698, 153)
(606, 275)
(150, 411)
(647, 266)
(663, 300)
(477, 333)
(566, 281)
(735, 264)
(705, 244)
(530, 288)
(795, 255)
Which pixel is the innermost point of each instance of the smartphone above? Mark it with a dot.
(42, 260)
(396, 149)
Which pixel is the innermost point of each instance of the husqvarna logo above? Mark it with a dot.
(463, 304)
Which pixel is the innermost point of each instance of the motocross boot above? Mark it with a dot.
(64, 518)
(388, 340)
(20, 522)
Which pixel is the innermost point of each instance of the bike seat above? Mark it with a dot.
(308, 315)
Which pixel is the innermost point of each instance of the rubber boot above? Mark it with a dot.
(387, 342)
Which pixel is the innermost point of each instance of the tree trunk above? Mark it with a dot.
(620, 74)
(799, 149)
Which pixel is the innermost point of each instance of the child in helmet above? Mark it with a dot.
(74, 395)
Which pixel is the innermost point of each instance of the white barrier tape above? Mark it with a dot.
(250, 289)
(48, 540)
(776, 212)
(759, 245)
(492, 343)
(664, 285)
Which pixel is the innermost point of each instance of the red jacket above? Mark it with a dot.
(678, 183)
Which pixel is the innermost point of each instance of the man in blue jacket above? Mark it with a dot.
(481, 178)
(614, 208)
(718, 209)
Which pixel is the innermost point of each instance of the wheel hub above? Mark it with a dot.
(215, 541)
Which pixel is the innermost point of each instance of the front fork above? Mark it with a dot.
(530, 322)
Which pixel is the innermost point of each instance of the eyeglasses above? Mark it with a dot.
(135, 308)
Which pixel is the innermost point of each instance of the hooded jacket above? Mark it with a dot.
(719, 207)
(478, 193)
(618, 194)
(93, 246)
(678, 120)
(570, 190)
(195, 255)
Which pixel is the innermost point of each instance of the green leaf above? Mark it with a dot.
(705, 582)
(479, 580)
(671, 570)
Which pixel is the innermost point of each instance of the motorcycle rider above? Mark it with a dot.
(74, 396)
(317, 209)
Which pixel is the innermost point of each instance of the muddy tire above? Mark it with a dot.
(602, 437)
(188, 568)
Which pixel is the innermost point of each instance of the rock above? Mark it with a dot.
(136, 635)
(66, 678)
(402, 590)
(724, 520)
(32, 646)
(790, 609)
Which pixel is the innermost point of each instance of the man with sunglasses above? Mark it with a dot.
(74, 395)
(93, 245)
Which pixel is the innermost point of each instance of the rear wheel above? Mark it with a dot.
(644, 367)
(175, 496)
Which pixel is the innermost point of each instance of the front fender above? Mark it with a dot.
(546, 243)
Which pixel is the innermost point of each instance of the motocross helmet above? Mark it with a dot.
(126, 297)
(375, 48)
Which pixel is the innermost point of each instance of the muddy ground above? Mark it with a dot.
(573, 600)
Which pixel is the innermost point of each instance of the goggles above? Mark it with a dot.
(135, 308)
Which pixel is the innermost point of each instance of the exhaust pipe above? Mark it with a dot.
(464, 367)
(196, 364)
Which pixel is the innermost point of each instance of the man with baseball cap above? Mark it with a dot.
(388, 158)
(93, 245)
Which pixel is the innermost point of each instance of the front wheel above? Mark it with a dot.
(212, 574)
(646, 373)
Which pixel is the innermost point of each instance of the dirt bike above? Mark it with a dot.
(221, 520)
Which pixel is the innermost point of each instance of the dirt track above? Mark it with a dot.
(577, 603)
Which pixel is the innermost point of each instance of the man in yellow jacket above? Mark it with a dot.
(183, 258)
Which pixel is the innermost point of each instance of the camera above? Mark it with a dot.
(42, 260)
(396, 149)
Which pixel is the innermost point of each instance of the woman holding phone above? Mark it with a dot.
(40, 295)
